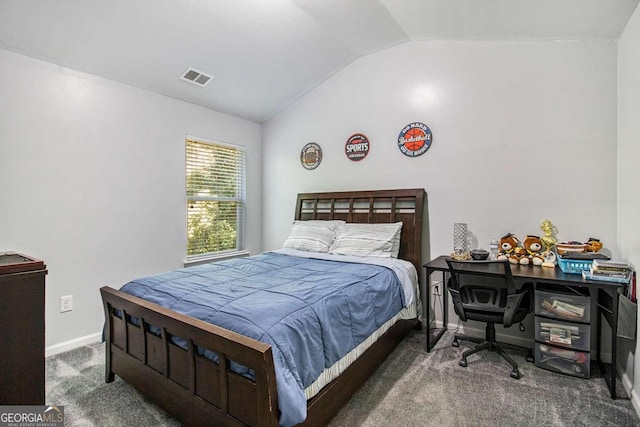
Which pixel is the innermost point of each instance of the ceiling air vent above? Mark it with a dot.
(196, 77)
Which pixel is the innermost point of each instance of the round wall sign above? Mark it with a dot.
(414, 139)
(357, 147)
(311, 156)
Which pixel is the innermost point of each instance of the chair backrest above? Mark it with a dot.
(483, 286)
(467, 273)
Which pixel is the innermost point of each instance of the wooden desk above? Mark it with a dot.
(606, 295)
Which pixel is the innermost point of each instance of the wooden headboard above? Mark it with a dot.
(376, 206)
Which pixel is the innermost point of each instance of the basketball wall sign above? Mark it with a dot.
(414, 139)
(357, 147)
(311, 156)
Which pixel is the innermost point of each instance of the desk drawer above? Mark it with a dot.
(563, 334)
(571, 362)
(563, 306)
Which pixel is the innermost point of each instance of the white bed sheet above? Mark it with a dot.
(329, 374)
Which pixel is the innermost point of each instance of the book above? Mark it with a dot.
(563, 308)
(609, 273)
(587, 275)
(571, 328)
(585, 256)
(600, 264)
(559, 333)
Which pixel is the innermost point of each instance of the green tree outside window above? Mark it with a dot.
(215, 197)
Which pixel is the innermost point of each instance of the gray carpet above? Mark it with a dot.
(411, 388)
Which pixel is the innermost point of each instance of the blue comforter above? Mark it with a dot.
(312, 312)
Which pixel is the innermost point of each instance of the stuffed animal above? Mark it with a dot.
(508, 244)
(510, 249)
(533, 246)
(593, 245)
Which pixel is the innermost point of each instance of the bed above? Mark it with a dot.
(166, 355)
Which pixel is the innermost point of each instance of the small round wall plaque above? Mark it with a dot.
(414, 139)
(357, 147)
(311, 156)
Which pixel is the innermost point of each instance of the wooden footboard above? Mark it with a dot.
(192, 388)
(199, 392)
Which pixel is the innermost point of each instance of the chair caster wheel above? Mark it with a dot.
(463, 363)
(455, 343)
(516, 374)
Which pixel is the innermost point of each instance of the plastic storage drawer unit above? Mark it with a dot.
(573, 335)
(562, 360)
(576, 308)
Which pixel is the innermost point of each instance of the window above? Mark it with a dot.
(215, 198)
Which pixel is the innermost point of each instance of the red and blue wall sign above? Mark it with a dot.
(357, 147)
(414, 139)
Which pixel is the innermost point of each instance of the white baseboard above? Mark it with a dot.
(465, 329)
(72, 344)
(504, 338)
(631, 391)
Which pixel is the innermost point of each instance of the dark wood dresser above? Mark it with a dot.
(22, 362)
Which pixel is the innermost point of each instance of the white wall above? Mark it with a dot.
(523, 131)
(628, 180)
(93, 182)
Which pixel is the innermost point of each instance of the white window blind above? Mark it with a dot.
(215, 198)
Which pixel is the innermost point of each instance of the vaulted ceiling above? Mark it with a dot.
(264, 54)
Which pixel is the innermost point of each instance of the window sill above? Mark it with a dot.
(213, 258)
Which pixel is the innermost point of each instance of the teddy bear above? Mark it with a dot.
(593, 245)
(533, 247)
(510, 249)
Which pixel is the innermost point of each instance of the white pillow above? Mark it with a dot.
(313, 236)
(377, 240)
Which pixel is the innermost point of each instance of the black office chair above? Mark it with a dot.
(488, 295)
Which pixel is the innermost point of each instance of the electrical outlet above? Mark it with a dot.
(435, 286)
(66, 303)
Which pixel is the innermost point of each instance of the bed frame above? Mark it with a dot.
(200, 392)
